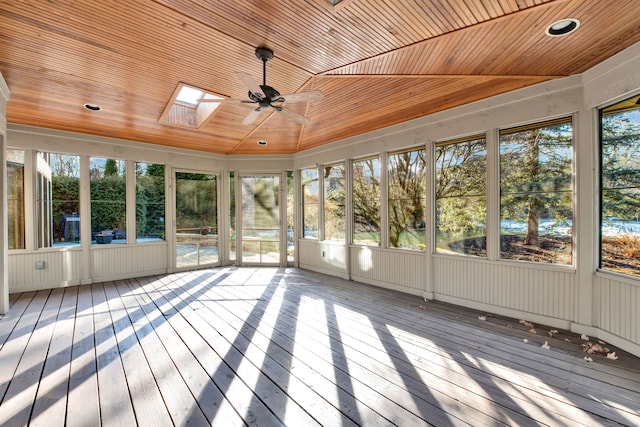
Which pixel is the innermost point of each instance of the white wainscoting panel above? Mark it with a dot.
(324, 257)
(61, 268)
(533, 288)
(618, 307)
(64, 267)
(394, 269)
(124, 261)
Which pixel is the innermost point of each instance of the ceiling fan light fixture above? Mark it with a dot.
(562, 27)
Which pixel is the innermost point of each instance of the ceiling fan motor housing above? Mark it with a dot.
(271, 95)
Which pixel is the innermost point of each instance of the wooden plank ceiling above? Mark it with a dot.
(378, 62)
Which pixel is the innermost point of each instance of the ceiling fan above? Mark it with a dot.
(266, 96)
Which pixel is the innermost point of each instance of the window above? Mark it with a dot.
(309, 179)
(334, 202)
(291, 244)
(108, 200)
(150, 202)
(15, 198)
(58, 199)
(407, 181)
(232, 216)
(461, 201)
(366, 201)
(620, 181)
(536, 200)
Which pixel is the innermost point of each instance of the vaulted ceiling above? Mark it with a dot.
(378, 62)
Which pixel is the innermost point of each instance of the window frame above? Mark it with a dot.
(103, 236)
(23, 212)
(376, 158)
(39, 211)
(163, 233)
(570, 191)
(626, 104)
(304, 203)
(422, 245)
(325, 203)
(471, 247)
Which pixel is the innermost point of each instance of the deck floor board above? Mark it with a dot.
(250, 346)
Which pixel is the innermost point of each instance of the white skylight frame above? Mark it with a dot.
(185, 109)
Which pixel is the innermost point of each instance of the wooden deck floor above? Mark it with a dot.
(246, 346)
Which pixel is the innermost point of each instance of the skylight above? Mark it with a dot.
(189, 95)
(190, 107)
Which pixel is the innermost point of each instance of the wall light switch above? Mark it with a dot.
(39, 265)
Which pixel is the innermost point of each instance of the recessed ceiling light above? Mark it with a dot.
(92, 107)
(562, 27)
(262, 142)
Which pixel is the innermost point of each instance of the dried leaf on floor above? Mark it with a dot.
(591, 348)
(546, 345)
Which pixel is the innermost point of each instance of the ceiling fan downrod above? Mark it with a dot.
(264, 54)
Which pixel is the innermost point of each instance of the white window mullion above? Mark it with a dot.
(321, 224)
(30, 194)
(130, 197)
(493, 194)
(384, 201)
(85, 219)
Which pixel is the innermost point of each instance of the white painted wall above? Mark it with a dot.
(323, 257)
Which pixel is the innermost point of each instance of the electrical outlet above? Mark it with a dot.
(39, 265)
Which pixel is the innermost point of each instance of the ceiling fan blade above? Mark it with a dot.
(294, 116)
(226, 100)
(251, 117)
(312, 95)
(250, 83)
